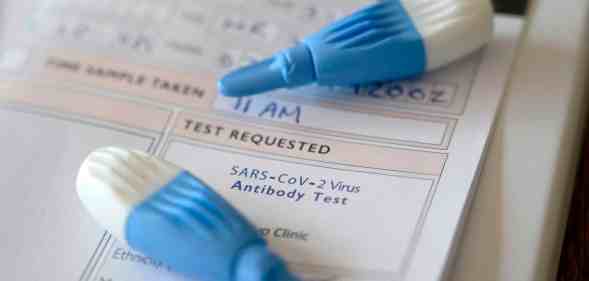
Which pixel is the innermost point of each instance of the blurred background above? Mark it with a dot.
(511, 6)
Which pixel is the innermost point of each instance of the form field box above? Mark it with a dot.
(241, 135)
(332, 228)
(349, 122)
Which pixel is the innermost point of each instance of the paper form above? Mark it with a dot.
(345, 183)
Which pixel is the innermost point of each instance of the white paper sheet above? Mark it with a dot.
(346, 184)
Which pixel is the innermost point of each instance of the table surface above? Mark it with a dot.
(517, 223)
(575, 251)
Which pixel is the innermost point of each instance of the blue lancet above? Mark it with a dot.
(378, 43)
(198, 234)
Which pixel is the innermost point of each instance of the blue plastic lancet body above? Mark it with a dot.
(198, 234)
(378, 43)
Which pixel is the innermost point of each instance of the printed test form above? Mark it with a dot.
(361, 183)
